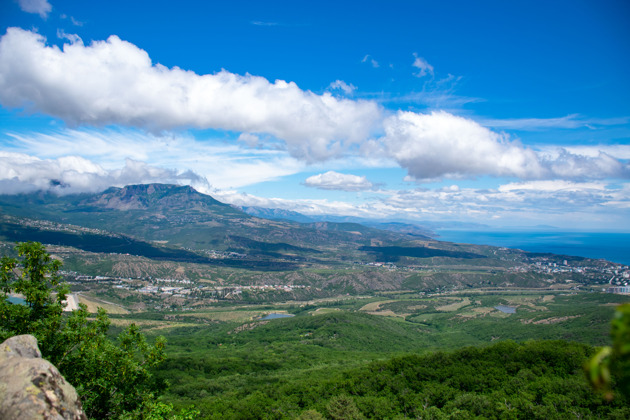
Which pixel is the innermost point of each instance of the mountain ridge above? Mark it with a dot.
(181, 216)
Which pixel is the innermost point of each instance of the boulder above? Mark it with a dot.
(31, 387)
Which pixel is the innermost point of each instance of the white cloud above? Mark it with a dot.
(619, 151)
(537, 124)
(73, 38)
(40, 7)
(348, 89)
(73, 174)
(423, 65)
(440, 144)
(570, 205)
(558, 202)
(337, 181)
(552, 186)
(251, 140)
(115, 82)
(575, 166)
(368, 59)
(308, 207)
(223, 165)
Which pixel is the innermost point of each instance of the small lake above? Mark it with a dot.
(276, 316)
(16, 300)
(506, 309)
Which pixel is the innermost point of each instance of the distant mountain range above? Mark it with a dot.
(280, 214)
(179, 216)
(425, 228)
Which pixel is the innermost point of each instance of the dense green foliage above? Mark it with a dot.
(506, 380)
(114, 380)
(317, 362)
(37, 281)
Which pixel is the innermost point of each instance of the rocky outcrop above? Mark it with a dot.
(31, 387)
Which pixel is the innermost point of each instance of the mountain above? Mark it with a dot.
(278, 214)
(158, 197)
(169, 231)
(281, 214)
(181, 217)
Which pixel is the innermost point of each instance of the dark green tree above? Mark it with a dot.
(36, 279)
(343, 407)
(114, 379)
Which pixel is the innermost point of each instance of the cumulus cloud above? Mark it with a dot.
(440, 144)
(619, 151)
(115, 82)
(74, 174)
(573, 166)
(224, 165)
(423, 65)
(332, 180)
(564, 204)
(40, 7)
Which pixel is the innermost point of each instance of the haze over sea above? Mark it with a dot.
(611, 246)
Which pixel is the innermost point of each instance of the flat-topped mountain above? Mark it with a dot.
(158, 196)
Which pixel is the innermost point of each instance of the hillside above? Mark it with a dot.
(140, 233)
(181, 216)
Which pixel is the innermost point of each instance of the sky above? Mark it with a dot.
(509, 114)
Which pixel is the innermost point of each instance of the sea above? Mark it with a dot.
(610, 246)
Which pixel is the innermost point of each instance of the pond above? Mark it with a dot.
(16, 300)
(276, 316)
(506, 309)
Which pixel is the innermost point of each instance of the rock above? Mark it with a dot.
(31, 387)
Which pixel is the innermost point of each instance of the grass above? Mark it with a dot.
(454, 306)
(93, 304)
(375, 306)
(226, 316)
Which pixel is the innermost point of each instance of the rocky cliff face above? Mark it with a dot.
(31, 387)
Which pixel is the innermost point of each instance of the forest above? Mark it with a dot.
(538, 379)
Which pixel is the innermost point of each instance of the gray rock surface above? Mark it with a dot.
(31, 387)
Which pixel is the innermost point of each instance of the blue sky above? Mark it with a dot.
(503, 113)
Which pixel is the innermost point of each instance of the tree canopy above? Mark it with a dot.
(113, 378)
